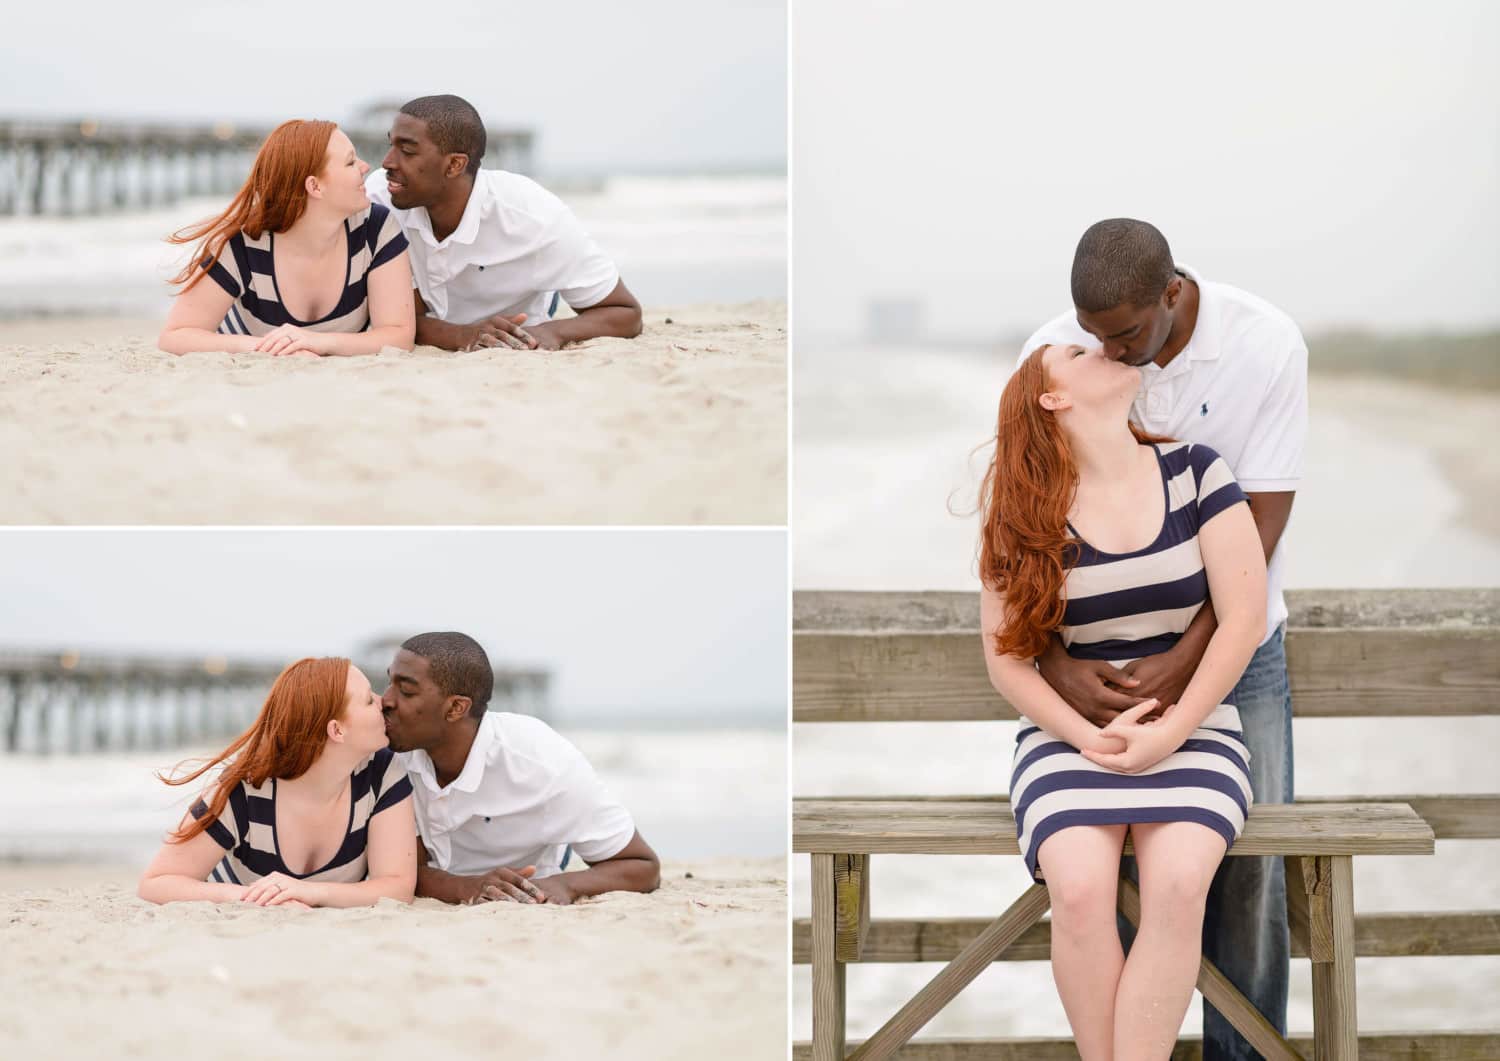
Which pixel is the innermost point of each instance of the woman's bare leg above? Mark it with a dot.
(1082, 866)
(1177, 861)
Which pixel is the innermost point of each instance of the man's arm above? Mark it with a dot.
(617, 314)
(492, 331)
(635, 868)
(457, 888)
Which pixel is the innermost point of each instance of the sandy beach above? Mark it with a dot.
(696, 969)
(684, 425)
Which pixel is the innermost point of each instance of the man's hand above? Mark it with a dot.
(503, 885)
(500, 331)
(548, 335)
(1091, 687)
(1164, 677)
(556, 889)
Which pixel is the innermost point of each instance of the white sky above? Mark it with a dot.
(658, 622)
(1341, 159)
(653, 84)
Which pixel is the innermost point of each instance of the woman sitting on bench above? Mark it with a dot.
(1112, 540)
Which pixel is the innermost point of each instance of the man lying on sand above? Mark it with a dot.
(491, 251)
(502, 800)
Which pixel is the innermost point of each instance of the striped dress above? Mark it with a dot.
(246, 830)
(1121, 607)
(246, 269)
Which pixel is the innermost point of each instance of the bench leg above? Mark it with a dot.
(827, 970)
(1335, 1030)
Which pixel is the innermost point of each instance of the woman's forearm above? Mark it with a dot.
(364, 893)
(202, 341)
(355, 344)
(172, 888)
(1020, 683)
(1234, 641)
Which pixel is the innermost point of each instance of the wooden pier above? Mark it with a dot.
(67, 168)
(54, 703)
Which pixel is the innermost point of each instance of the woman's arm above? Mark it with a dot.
(391, 853)
(178, 872)
(1019, 682)
(191, 323)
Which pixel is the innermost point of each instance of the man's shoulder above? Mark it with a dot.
(516, 195)
(1247, 320)
(525, 737)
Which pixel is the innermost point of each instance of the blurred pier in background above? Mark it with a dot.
(67, 168)
(72, 703)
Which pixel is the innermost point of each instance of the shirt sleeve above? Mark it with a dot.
(582, 811)
(1217, 488)
(388, 781)
(226, 270)
(572, 264)
(1272, 458)
(387, 241)
(228, 828)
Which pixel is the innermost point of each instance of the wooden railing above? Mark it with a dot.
(917, 657)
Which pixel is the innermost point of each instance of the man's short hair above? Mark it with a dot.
(1118, 261)
(453, 124)
(458, 666)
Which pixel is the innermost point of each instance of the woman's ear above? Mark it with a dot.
(335, 731)
(314, 189)
(1054, 402)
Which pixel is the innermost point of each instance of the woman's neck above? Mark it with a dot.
(328, 776)
(1104, 450)
(318, 230)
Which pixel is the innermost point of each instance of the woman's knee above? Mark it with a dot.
(1082, 899)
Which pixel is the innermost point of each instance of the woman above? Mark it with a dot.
(301, 262)
(311, 808)
(1113, 540)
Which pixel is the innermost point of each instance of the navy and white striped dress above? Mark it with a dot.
(246, 830)
(1121, 607)
(246, 269)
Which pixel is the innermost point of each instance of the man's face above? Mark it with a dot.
(413, 705)
(414, 166)
(1130, 334)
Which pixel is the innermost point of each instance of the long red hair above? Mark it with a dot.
(273, 197)
(1025, 548)
(285, 739)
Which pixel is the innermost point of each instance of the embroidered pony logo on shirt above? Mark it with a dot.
(1203, 411)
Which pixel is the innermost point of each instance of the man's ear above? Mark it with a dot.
(456, 708)
(1173, 292)
(455, 165)
(1054, 402)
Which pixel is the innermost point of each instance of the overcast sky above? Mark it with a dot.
(652, 84)
(667, 622)
(1341, 159)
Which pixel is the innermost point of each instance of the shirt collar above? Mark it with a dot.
(1203, 344)
(468, 224)
(472, 774)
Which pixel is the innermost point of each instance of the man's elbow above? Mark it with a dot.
(634, 323)
(650, 875)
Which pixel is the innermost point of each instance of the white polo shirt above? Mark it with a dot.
(515, 245)
(1239, 387)
(524, 795)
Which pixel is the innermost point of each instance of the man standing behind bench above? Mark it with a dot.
(492, 252)
(502, 801)
(1221, 367)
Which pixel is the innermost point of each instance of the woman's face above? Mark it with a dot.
(1082, 377)
(365, 725)
(343, 176)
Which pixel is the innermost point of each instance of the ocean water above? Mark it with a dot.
(677, 240)
(694, 794)
(886, 475)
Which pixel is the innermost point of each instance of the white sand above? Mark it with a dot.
(686, 424)
(697, 969)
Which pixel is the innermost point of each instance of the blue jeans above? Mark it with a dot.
(1244, 926)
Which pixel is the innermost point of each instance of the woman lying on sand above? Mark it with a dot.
(301, 261)
(311, 809)
(1114, 540)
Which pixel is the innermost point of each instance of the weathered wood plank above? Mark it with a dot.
(1468, 817)
(851, 886)
(1217, 989)
(1381, 1046)
(955, 976)
(828, 971)
(1395, 935)
(938, 677)
(1335, 1024)
(1309, 900)
(987, 828)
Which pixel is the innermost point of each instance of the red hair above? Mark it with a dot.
(1025, 547)
(285, 739)
(273, 197)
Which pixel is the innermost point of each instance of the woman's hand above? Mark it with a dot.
(277, 889)
(290, 339)
(1146, 742)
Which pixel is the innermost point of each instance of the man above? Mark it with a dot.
(502, 801)
(1226, 369)
(491, 252)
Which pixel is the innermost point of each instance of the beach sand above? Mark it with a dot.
(684, 425)
(697, 969)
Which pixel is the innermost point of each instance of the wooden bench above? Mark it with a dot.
(916, 656)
